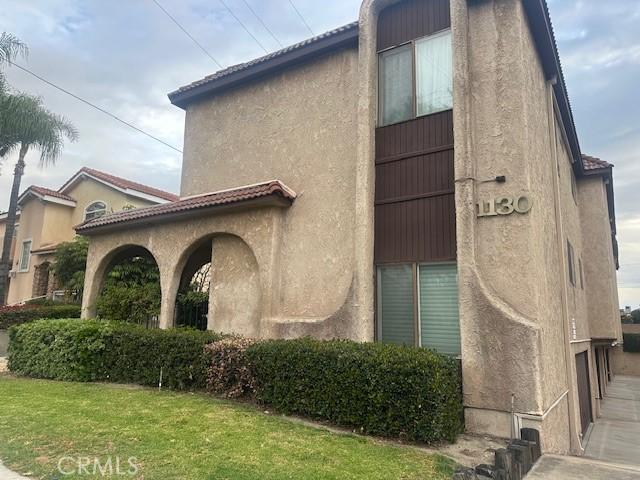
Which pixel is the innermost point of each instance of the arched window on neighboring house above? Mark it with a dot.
(95, 210)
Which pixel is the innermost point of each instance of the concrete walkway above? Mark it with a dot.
(555, 467)
(6, 474)
(615, 436)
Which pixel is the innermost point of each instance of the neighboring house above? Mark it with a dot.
(48, 218)
(345, 204)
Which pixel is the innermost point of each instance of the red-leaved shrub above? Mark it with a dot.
(229, 373)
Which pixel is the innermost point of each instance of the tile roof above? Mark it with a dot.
(191, 204)
(349, 31)
(126, 184)
(48, 192)
(594, 163)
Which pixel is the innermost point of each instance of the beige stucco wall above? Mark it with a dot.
(299, 127)
(31, 227)
(502, 128)
(88, 191)
(599, 263)
(625, 363)
(48, 223)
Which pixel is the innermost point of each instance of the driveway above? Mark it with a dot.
(613, 448)
(615, 436)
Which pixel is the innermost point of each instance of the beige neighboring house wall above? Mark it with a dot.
(48, 219)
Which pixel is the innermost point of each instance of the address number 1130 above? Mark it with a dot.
(503, 206)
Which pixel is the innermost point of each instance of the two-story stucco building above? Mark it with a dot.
(414, 177)
(48, 217)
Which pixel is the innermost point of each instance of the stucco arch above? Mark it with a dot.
(97, 270)
(235, 296)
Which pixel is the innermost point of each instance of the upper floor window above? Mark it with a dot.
(416, 79)
(95, 210)
(25, 256)
(571, 263)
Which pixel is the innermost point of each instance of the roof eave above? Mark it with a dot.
(273, 200)
(182, 98)
(542, 31)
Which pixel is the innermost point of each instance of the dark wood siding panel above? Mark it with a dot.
(415, 208)
(421, 230)
(411, 19)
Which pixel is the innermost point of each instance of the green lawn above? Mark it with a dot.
(182, 436)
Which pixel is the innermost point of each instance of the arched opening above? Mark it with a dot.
(130, 287)
(192, 301)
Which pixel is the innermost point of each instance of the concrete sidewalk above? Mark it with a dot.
(615, 436)
(555, 467)
(6, 474)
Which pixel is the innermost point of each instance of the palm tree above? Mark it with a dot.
(24, 124)
(29, 125)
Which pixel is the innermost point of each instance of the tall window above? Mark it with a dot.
(571, 263)
(418, 305)
(95, 210)
(416, 79)
(25, 255)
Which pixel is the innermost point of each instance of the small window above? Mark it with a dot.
(574, 187)
(95, 210)
(571, 264)
(434, 74)
(416, 79)
(581, 274)
(418, 305)
(25, 256)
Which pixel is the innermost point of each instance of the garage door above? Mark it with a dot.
(584, 392)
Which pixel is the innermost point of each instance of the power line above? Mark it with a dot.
(188, 34)
(263, 24)
(243, 26)
(115, 117)
(301, 17)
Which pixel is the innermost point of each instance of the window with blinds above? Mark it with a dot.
(418, 305)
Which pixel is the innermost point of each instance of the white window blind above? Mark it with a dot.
(434, 73)
(396, 85)
(396, 304)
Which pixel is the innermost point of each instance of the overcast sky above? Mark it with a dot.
(126, 55)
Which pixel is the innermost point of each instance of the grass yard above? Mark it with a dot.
(182, 436)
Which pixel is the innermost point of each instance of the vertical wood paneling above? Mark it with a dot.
(411, 19)
(414, 200)
(415, 208)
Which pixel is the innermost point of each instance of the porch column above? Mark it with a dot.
(170, 273)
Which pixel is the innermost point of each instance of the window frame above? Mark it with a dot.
(415, 269)
(571, 263)
(20, 268)
(106, 207)
(414, 93)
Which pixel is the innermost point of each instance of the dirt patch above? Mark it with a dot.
(3, 365)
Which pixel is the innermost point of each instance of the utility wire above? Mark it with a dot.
(188, 34)
(262, 23)
(115, 117)
(301, 17)
(243, 26)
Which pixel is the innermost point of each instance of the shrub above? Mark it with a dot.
(631, 342)
(379, 389)
(91, 350)
(229, 373)
(16, 315)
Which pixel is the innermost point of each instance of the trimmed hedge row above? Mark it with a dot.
(90, 350)
(631, 342)
(380, 389)
(17, 315)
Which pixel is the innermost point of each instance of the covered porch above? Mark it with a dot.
(238, 230)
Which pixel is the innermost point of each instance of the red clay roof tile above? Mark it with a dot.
(594, 163)
(213, 199)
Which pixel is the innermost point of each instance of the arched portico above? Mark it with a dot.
(240, 243)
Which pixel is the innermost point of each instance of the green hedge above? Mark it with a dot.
(631, 342)
(90, 350)
(17, 315)
(379, 389)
